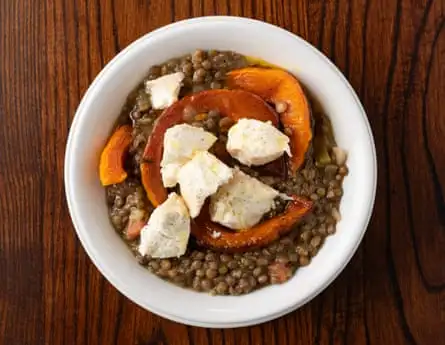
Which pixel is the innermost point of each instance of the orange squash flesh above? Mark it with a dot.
(111, 166)
(235, 104)
(217, 237)
(275, 85)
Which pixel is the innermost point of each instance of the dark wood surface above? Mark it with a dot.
(392, 292)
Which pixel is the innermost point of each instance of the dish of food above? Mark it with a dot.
(222, 174)
(95, 122)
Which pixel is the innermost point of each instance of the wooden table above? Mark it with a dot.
(392, 292)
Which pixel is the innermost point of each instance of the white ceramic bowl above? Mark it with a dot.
(95, 118)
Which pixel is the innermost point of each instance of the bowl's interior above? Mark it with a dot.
(100, 109)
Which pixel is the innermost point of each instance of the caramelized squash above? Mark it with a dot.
(111, 166)
(211, 235)
(280, 87)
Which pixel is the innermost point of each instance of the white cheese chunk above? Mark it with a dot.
(167, 232)
(200, 178)
(164, 91)
(242, 202)
(181, 142)
(254, 142)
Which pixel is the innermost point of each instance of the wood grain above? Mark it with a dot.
(392, 52)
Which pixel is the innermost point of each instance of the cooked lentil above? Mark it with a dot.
(223, 273)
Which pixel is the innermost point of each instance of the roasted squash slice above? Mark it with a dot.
(218, 237)
(111, 166)
(278, 86)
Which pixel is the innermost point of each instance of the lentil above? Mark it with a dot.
(315, 241)
(211, 273)
(222, 288)
(166, 264)
(206, 64)
(237, 274)
(262, 261)
(188, 114)
(225, 123)
(263, 279)
(206, 284)
(223, 270)
(225, 258)
(304, 261)
(230, 280)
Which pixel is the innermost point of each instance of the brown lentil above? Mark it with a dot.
(223, 270)
(330, 194)
(330, 229)
(172, 273)
(237, 274)
(206, 64)
(243, 283)
(188, 114)
(315, 241)
(262, 261)
(304, 261)
(293, 257)
(210, 124)
(343, 170)
(211, 273)
(225, 123)
(198, 56)
(166, 264)
(230, 280)
(210, 257)
(219, 75)
(232, 265)
(162, 273)
(222, 288)
(282, 258)
(206, 284)
(225, 258)
(187, 69)
(196, 284)
(213, 265)
(257, 271)
(263, 279)
(198, 255)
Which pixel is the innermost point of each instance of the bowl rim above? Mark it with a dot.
(110, 276)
